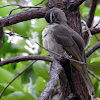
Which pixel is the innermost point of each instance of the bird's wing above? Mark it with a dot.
(74, 45)
(69, 41)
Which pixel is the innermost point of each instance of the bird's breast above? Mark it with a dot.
(49, 41)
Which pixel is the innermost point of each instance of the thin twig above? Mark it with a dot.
(67, 57)
(93, 30)
(93, 74)
(96, 24)
(12, 34)
(94, 48)
(21, 7)
(91, 65)
(90, 35)
(92, 12)
(16, 77)
(49, 50)
(9, 5)
(13, 10)
(96, 37)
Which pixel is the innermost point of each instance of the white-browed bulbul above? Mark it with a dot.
(59, 37)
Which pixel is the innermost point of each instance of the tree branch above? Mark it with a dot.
(54, 78)
(24, 16)
(95, 30)
(93, 74)
(61, 97)
(89, 32)
(91, 13)
(94, 48)
(38, 57)
(66, 57)
(13, 34)
(54, 92)
(1, 35)
(25, 58)
(75, 4)
(1, 31)
(90, 17)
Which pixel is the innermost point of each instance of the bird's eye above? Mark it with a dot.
(52, 17)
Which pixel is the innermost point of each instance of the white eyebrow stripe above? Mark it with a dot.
(51, 14)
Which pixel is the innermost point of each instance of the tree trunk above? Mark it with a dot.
(73, 20)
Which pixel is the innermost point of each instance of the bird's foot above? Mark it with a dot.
(64, 56)
(74, 96)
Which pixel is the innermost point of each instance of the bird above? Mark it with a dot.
(60, 38)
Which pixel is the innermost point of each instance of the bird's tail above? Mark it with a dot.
(83, 70)
(88, 81)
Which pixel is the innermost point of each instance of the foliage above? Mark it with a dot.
(32, 82)
(95, 57)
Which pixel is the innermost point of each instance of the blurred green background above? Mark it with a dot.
(32, 82)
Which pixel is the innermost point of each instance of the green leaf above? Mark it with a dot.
(34, 2)
(16, 11)
(84, 10)
(3, 98)
(6, 76)
(40, 84)
(39, 25)
(10, 48)
(9, 90)
(19, 96)
(81, 7)
(96, 60)
(22, 28)
(27, 75)
(44, 52)
(40, 69)
(97, 12)
(5, 10)
(97, 94)
(96, 85)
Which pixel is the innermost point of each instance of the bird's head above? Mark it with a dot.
(55, 15)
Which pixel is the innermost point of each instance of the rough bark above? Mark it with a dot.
(24, 16)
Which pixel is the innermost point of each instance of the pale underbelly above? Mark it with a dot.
(50, 43)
